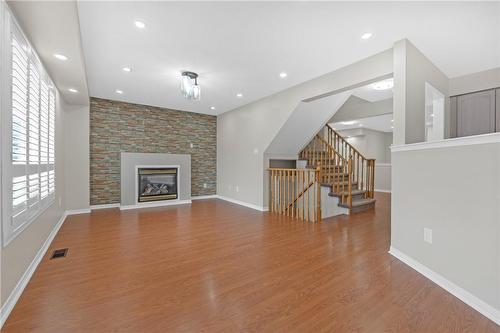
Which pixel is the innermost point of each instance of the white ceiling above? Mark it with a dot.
(52, 27)
(371, 95)
(381, 123)
(241, 47)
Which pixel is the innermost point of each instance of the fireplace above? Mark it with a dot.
(156, 183)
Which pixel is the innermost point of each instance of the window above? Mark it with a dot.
(28, 154)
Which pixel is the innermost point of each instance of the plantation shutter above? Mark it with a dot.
(31, 168)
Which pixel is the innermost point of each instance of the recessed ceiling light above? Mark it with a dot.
(348, 122)
(283, 75)
(239, 95)
(392, 127)
(392, 120)
(127, 69)
(60, 56)
(118, 91)
(366, 35)
(73, 90)
(139, 24)
(360, 125)
(432, 115)
(383, 85)
(212, 108)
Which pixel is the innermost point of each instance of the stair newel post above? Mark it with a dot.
(349, 189)
(372, 178)
(318, 193)
(270, 175)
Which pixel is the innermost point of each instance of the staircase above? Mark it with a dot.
(349, 174)
(336, 166)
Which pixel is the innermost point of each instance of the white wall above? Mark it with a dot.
(77, 161)
(454, 189)
(475, 82)
(370, 143)
(304, 123)
(383, 177)
(245, 133)
(411, 71)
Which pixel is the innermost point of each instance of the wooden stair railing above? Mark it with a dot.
(295, 193)
(334, 167)
(363, 169)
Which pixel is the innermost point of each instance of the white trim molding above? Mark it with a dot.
(382, 191)
(78, 211)
(246, 204)
(474, 302)
(23, 281)
(462, 141)
(203, 197)
(105, 206)
(155, 204)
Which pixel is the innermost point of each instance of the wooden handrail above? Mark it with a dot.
(331, 130)
(295, 193)
(343, 167)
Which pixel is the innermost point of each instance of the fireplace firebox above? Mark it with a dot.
(156, 184)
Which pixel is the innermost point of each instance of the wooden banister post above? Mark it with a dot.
(318, 192)
(349, 186)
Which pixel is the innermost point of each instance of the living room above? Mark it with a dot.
(240, 166)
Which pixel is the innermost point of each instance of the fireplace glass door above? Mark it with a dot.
(157, 184)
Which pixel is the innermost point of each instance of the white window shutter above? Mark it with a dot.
(29, 164)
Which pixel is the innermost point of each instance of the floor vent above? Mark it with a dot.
(61, 253)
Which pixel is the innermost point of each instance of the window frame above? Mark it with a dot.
(9, 229)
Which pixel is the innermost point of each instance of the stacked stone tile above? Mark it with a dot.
(117, 127)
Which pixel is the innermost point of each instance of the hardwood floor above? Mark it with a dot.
(217, 267)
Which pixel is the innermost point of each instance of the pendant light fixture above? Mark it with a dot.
(189, 86)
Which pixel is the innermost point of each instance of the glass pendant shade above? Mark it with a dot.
(196, 92)
(189, 86)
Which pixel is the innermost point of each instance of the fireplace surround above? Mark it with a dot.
(129, 185)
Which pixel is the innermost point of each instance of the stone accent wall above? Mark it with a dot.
(117, 127)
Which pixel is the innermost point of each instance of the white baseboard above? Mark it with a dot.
(246, 204)
(78, 211)
(383, 191)
(23, 282)
(155, 204)
(105, 206)
(203, 197)
(480, 306)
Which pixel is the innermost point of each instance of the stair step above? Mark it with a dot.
(353, 192)
(354, 185)
(360, 205)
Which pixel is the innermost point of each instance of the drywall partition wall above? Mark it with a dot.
(305, 122)
(432, 187)
(77, 157)
(245, 133)
(356, 108)
(411, 71)
(370, 143)
(18, 255)
(475, 82)
(383, 177)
